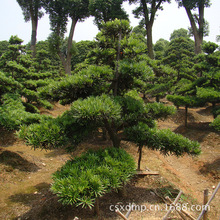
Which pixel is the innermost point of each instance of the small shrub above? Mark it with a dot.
(47, 135)
(13, 113)
(83, 179)
(216, 123)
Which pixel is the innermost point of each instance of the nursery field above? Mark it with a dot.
(25, 174)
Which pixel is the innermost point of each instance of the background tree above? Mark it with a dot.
(179, 55)
(17, 63)
(160, 47)
(107, 11)
(179, 33)
(210, 70)
(197, 21)
(32, 11)
(83, 48)
(147, 9)
(3, 46)
(59, 13)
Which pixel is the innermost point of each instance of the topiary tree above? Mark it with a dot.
(164, 141)
(179, 55)
(109, 103)
(20, 78)
(186, 101)
(18, 64)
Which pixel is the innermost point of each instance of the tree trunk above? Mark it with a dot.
(115, 87)
(69, 47)
(157, 98)
(198, 43)
(186, 114)
(96, 207)
(104, 134)
(112, 134)
(123, 191)
(148, 26)
(140, 156)
(66, 61)
(213, 106)
(197, 32)
(34, 22)
(150, 41)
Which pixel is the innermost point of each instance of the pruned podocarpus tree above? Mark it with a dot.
(116, 108)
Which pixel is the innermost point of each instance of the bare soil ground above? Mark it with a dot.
(25, 175)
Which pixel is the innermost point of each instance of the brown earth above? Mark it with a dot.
(25, 175)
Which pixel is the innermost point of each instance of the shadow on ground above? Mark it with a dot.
(17, 162)
(212, 169)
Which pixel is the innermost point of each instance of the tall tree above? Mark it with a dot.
(32, 12)
(148, 9)
(197, 21)
(107, 11)
(60, 11)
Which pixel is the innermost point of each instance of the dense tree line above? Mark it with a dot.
(60, 12)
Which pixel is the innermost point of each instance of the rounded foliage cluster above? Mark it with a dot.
(83, 179)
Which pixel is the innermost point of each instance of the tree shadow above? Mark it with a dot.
(47, 206)
(197, 131)
(55, 153)
(212, 169)
(7, 138)
(17, 162)
(205, 111)
(30, 198)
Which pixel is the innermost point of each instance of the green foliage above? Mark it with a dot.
(160, 47)
(208, 94)
(46, 135)
(129, 72)
(83, 179)
(107, 11)
(96, 109)
(209, 47)
(3, 46)
(159, 110)
(189, 101)
(31, 8)
(82, 50)
(19, 71)
(179, 55)
(8, 84)
(179, 33)
(13, 114)
(216, 111)
(216, 123)
(92, 80)
(165, 140)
